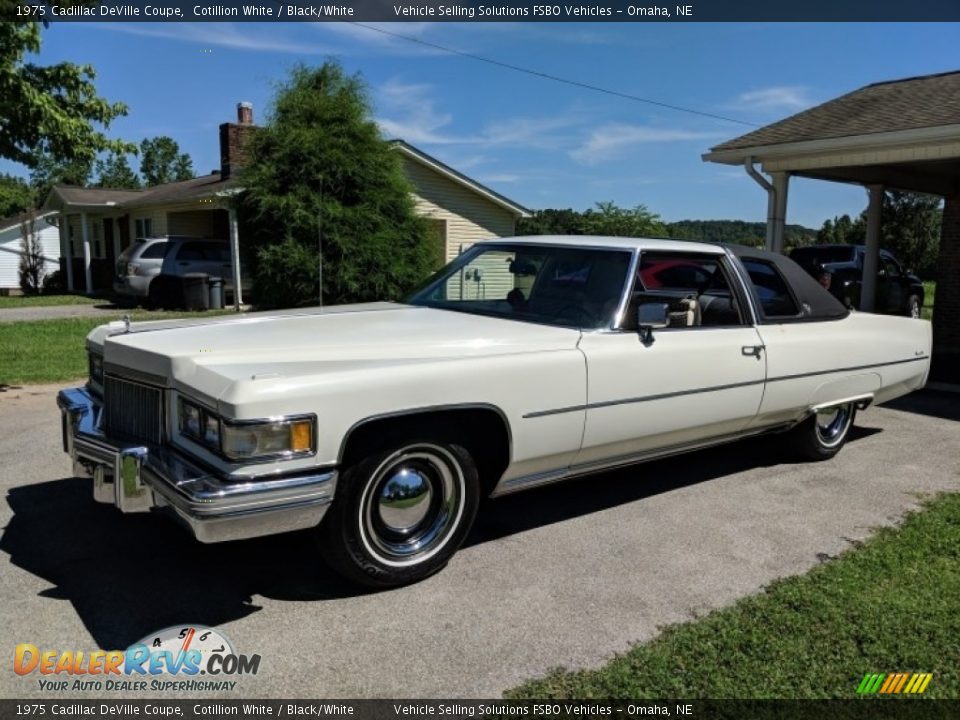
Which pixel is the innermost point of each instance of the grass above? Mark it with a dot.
(7, 302)
(45, 351)
(929, 290)
(891, 605)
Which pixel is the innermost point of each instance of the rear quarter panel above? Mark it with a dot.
(814, 363)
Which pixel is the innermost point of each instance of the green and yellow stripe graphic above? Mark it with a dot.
(894, 683)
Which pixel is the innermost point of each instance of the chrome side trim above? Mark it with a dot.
(627, 291)
(746, 285)
(712, 388)
(545, 478)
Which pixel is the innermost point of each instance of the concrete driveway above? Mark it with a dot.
(106, 310)
(561, 576)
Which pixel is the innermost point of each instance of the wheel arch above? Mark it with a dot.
(483, 428)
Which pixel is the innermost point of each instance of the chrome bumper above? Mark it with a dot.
(136, 478)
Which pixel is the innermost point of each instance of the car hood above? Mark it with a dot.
(210, 356)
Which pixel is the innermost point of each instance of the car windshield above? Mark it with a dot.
(563, 286)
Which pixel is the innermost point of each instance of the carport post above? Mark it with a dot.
(871, 258)
(781, 183)
(235, 259)
(66, 248)
(85, 234)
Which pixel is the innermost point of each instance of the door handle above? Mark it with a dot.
(754, 350)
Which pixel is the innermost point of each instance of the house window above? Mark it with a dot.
(143, 228)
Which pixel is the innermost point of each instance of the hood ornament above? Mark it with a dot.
(126, 323)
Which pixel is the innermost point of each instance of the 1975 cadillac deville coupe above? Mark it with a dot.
(526, 361)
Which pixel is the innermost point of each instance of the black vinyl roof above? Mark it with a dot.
(814, 300)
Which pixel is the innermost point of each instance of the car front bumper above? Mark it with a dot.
(137, 478)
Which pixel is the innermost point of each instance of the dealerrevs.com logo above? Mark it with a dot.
(173, 659)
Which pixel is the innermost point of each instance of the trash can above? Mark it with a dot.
(166, 292)
(216, 292)
(196, 293)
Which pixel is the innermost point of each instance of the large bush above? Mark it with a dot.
(320, 173)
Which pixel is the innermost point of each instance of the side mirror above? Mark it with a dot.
(650, 317)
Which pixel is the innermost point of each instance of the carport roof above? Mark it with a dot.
(907, 104)
(205, 186)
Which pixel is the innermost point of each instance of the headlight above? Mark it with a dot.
(95, 363)
(247, 440)
(198, 424)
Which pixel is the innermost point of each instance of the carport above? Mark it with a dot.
(898, 135)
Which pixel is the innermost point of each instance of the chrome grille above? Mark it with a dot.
(133, 410)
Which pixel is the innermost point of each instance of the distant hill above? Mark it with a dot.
(737, 231)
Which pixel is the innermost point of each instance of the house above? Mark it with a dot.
(11, 247)
(899, 135)
(96, 224)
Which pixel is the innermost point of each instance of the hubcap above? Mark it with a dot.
(833, 423)
(411, 505)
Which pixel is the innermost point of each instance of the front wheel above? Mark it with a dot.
(401, 513)
(821, 436)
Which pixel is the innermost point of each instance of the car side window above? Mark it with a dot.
(771, 289)
(890, 267)
(695, 288)
(155, 251)
(191, 251)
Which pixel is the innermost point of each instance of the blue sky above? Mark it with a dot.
(538, 142)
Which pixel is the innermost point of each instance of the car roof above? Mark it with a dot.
(610, 242)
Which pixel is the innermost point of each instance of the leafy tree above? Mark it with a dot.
(162, 162)
(52, 110)
(610, 219)
(552, 222)
(320, 167)
(16, 196)
(49, 171)
(32, 262)
(114, 171)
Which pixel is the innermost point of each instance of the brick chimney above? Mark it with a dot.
(233, 140)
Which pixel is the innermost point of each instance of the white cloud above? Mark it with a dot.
(228, 35)
(788, 98)
(606, 141)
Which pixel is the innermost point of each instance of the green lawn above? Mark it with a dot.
(891, 605)
(43, 351)
(46, 301)
(929, 290)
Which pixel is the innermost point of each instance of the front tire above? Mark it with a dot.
(823, 434)
(401, 513)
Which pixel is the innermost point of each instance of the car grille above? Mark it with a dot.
(133, 410)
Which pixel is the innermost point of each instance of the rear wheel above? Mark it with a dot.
(401, 513)
(821, 436)
(913, 307)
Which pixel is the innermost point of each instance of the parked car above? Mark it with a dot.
(899, 291)
(176, 255)
(382, 425)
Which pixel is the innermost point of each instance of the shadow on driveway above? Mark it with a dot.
(127, 575)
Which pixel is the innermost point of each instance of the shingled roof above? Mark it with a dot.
(908, 104)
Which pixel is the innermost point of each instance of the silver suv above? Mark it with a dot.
(146, 258)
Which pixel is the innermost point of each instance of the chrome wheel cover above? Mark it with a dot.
(411, 505)
(832, 424)
(915, 310)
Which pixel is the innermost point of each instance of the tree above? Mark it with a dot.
(610, 219)
(49, 111)
(49, 171)
(162, 162)
(909, 228)
(16, 196)
(319, 168)
(32, 262)
(114, 171)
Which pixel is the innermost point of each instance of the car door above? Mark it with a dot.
(700, 379)
(891, 285)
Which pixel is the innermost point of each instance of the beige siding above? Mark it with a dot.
(158, 219)
(469, 216)
(95, 234)
(195, 223)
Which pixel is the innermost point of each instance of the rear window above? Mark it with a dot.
(771, 289)
(154, 251)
